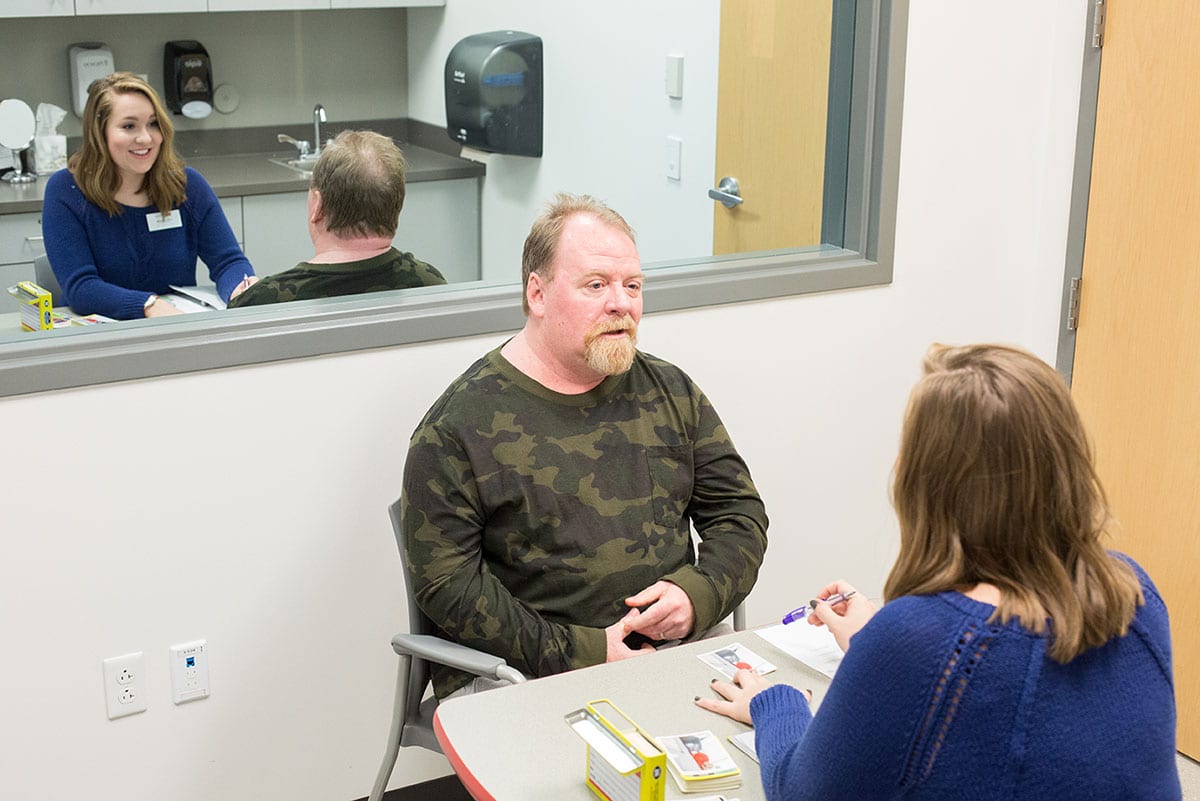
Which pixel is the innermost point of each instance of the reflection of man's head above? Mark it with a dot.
(360, 177)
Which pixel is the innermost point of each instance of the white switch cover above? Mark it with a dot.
(674, 157)
(675, 76)
(189, 671)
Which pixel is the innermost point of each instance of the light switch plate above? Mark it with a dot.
(674, 158)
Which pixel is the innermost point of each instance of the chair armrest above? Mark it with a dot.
(455, 655)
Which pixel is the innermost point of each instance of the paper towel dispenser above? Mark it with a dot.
(494, 92)
(187, 76)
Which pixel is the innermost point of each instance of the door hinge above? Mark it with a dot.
(1098, 24)
(1073, 305)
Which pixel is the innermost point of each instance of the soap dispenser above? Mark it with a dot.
(187, 76)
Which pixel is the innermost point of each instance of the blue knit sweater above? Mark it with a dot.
(111, 265)
(933, 702)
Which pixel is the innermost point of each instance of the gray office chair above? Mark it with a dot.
(412, 713)
(44, 276)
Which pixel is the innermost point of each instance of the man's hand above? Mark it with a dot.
(667, 612)
(615, 637)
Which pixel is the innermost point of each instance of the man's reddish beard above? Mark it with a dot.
(611, 355)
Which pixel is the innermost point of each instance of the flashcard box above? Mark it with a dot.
(35, 306)
(623, 762)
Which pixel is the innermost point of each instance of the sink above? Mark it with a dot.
(302, 166)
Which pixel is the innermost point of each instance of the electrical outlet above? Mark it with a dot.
(125, 685)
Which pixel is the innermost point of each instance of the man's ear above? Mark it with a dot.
(535, 295)
(316, 211)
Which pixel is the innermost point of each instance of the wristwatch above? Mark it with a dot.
(150, 301)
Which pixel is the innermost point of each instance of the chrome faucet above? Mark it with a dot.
(300, 145)
(318, 118)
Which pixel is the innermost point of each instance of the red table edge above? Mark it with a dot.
(477, 790)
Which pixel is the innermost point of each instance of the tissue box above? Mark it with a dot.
(35, 306)
(49, 153)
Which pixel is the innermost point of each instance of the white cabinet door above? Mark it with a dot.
(232, 206)
(90, 7)
(20, 244)
(265, 5)
(385, 3)
(276, 231)
(37, 8)
(439, 225)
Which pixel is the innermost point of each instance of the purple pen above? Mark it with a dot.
(802, 612)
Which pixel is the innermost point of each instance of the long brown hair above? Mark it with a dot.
(92, 165)
(995, 483)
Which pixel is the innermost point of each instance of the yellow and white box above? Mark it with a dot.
(623, 762)
(36, 306)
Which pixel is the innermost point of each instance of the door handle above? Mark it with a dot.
(728, 192)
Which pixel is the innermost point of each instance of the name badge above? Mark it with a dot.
(161, 222)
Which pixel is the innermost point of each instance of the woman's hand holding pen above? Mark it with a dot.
(845, 617)
(247, 282)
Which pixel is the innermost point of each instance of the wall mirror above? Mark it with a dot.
(816, 170)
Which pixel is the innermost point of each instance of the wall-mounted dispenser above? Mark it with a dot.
(88, 61)
(187, 76)
(494, 92)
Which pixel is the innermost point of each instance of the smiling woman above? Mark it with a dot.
(126, 220)
(605, 123)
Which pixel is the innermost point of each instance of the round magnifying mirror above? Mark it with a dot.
(16, 132)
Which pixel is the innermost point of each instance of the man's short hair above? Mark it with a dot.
(547, 229)
(360, 176)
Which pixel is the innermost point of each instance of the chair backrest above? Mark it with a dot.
(47, 280)
(419, 675)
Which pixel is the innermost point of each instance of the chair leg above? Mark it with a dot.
(393, 744)
(739, 617)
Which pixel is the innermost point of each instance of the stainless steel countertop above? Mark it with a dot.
(254, 174)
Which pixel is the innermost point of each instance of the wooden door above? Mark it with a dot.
(772, 101)
(1137, 370)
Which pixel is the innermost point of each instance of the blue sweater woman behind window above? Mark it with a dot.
(126, 219)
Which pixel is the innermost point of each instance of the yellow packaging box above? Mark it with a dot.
(35, 306)
(623, 761)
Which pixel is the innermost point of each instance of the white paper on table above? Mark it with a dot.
(812, 645)
(203, 295)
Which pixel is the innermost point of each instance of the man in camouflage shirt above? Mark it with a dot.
(354, 207)
(549, 493)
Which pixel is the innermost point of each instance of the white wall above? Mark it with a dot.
(607, 116)
(247, 505)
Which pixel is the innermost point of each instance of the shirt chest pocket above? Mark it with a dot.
(671, 473)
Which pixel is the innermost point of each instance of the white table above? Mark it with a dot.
(512, 744)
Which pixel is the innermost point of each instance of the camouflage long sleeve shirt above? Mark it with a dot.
(529, 516)
(389, 270)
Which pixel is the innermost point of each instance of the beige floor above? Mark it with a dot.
(1189, 777)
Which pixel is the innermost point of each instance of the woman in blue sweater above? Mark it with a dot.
(1015, 658)
(126, 219)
